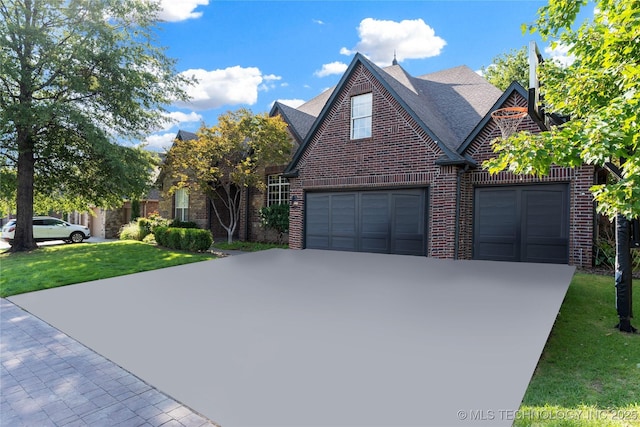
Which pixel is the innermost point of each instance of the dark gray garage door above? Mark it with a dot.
(367, 221)
(527, 223)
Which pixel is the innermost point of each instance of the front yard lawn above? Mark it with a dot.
(589, 372)
(53, 266)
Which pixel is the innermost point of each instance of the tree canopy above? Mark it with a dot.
(78, 79)
(226, 158)
(507, 68)
(600, 91)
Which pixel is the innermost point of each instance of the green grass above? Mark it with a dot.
(589, 372)
(53, 266)
(247, 246)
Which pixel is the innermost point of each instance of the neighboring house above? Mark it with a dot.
(391, 163)
(106, 223)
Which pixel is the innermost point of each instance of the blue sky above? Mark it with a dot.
(252, 53)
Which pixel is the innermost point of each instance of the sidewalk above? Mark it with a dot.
(49, 379)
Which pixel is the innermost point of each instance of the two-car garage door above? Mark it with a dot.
(522, 223)
(391, 221)
(512, 223)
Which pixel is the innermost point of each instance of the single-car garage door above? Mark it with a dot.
(528, 223)
(391, 221)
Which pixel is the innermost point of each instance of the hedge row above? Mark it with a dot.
(186, 239)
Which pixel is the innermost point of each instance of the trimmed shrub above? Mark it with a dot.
(275, 217)
(186, 239)
(149, 239)
(130, 231)
(176, 223)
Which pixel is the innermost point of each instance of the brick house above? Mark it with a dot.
(391, 163)
(195, 206)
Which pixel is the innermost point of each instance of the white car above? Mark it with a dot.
(49, 228)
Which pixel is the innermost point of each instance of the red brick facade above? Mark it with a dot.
(400, 154)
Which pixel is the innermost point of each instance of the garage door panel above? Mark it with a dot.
(545, 252)
(367, 221)
(343, 210)
(545, 213)
(497, 212)
(496, 251)
(522, 223)
(407, 214)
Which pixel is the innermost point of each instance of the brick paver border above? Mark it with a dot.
(49, 379)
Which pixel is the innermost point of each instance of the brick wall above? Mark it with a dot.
(398, 154)
(581, 209)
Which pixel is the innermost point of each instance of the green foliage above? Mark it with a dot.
(149, 224)
(176, 223)
(131, 231)
(186, 239)
(135, 209)
(507, 68)
(79, 78)
(275, 217)
(600, 91)
(226, 158)
(149, 239)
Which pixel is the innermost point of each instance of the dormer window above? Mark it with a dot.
(361, 108)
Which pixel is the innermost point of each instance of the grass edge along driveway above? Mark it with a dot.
(60, 265)
(588, 374)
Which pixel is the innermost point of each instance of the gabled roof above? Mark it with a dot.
(447, 104)
(184, 135)
(299, 122)
(514, 87)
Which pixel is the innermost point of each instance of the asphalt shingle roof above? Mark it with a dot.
(448, 103)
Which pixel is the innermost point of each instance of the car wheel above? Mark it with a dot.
(76, 237)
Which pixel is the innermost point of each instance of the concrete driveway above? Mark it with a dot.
(301, 338)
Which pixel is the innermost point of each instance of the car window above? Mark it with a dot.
(38, 222)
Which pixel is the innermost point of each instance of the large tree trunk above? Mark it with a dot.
(23, 239)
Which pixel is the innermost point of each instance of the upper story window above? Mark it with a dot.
(361, 116)
(277, 190)
(182, 204)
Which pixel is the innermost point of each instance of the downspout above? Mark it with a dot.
(456, 246)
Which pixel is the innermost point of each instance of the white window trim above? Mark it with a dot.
(361, 114)
(181, 211)
(277, 190)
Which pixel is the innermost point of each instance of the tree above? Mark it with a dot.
(76, 77)
(227, 158)
(600, 92)
(507, 68)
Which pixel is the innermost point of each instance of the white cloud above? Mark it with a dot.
(293, 103)
(159, 142)
(560, 54)
(318, 21)
(180, 10)
(268, 82)
(176, 118)
(410, 39)
(231, 86)
(336, 67)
